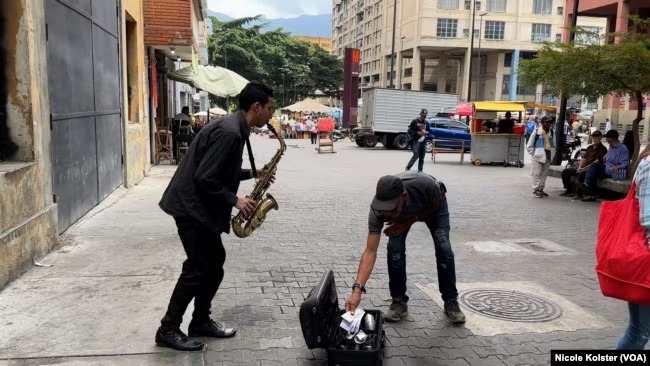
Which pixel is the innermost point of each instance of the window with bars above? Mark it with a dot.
(540, 32)
(497, 6)
(542, 6)
(448, 4)
(494, 29)
(447, 28)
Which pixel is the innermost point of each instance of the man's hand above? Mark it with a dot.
(353, 302)
(263, 171)
(615, 169)
(396, 228)
(246, 206)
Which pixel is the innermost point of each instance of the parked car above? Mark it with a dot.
(447, 128)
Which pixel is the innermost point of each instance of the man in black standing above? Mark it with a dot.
(418, 131)
(200, 197)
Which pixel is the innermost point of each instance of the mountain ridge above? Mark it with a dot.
(304, 25)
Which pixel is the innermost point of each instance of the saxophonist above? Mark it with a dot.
(200, 198)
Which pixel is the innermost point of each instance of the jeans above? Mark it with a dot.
(419, 149)
(438, 225)
(201, 276)
(594, 173)
(638, 330)
(569, 173)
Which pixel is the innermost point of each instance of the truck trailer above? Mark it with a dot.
(387, 113)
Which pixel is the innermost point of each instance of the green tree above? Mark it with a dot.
(619, 64)
(294, 68)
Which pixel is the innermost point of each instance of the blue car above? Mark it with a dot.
(447, 128)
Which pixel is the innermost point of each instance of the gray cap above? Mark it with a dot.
(389, 190)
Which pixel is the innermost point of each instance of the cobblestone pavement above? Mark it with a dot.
(321, 225)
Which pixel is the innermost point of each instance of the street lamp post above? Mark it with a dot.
(392, 55)
(471, 52)
(480, 30)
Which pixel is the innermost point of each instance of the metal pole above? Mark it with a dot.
(392, 55)
(471, 52)
(478, 83)
(559, 124)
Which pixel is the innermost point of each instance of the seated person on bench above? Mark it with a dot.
(595, 154)
(616, 162)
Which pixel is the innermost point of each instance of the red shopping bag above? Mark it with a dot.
(622, 253)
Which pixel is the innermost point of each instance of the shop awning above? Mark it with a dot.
(542, 107)
(500, 106)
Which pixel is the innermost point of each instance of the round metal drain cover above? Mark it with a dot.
(510, 305)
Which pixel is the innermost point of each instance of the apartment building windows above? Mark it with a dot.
(448, 4)
(560, 10)
(447, 28)
(468, 5)
(540, 32)
(495, 29)
(542, 6)
(497, 6)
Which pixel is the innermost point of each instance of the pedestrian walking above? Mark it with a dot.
(637, 333)
(200, 197)
(417, 132)
(541, 146)
(402, 200)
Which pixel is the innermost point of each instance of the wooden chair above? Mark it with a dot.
(164, 140)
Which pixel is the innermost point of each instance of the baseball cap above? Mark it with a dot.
(612, 133)
(389, 190)
(424, 111)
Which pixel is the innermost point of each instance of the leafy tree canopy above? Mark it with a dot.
(616, 63)
(294, 68)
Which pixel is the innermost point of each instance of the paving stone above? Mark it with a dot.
(268, 354)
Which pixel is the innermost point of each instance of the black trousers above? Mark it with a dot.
(201, 276)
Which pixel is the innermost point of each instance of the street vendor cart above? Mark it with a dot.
(490, 145)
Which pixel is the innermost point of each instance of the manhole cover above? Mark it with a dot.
(510, 305)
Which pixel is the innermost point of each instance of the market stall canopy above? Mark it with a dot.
(309, 106)
(212, 79)
(500, 106)
(218, 111)
(465, 109)
(542, 107)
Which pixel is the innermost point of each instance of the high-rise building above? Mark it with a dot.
(432, 43)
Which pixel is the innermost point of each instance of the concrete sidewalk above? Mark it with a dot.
(101, 301)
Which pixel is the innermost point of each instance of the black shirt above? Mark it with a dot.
(416, 126)
(506, 125)
(205, 184)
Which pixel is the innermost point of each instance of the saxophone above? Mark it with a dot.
(240, 226)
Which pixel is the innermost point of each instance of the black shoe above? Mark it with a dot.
(589, 199)
(177, 340)
(567, 193)
(453, 312)
(210, 329)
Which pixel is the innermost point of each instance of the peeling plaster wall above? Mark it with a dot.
(137, 146)
(28, 219)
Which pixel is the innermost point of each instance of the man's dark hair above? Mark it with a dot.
(254, 92)
(185, 110)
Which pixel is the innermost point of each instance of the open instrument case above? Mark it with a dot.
(320, 319)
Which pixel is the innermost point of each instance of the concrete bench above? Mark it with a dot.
(442, 150)
(620, 186)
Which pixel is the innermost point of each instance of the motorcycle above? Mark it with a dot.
(341, 134)
(572, 152)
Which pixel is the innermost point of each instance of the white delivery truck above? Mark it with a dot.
(387, 113)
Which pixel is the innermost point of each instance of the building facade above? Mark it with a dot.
(432, 43)
(324, 43)
(72, 117)
(176, 34)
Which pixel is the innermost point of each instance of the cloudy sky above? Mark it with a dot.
(271, 8)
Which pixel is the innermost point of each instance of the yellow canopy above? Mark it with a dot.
(500, 106)
(542, 107)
